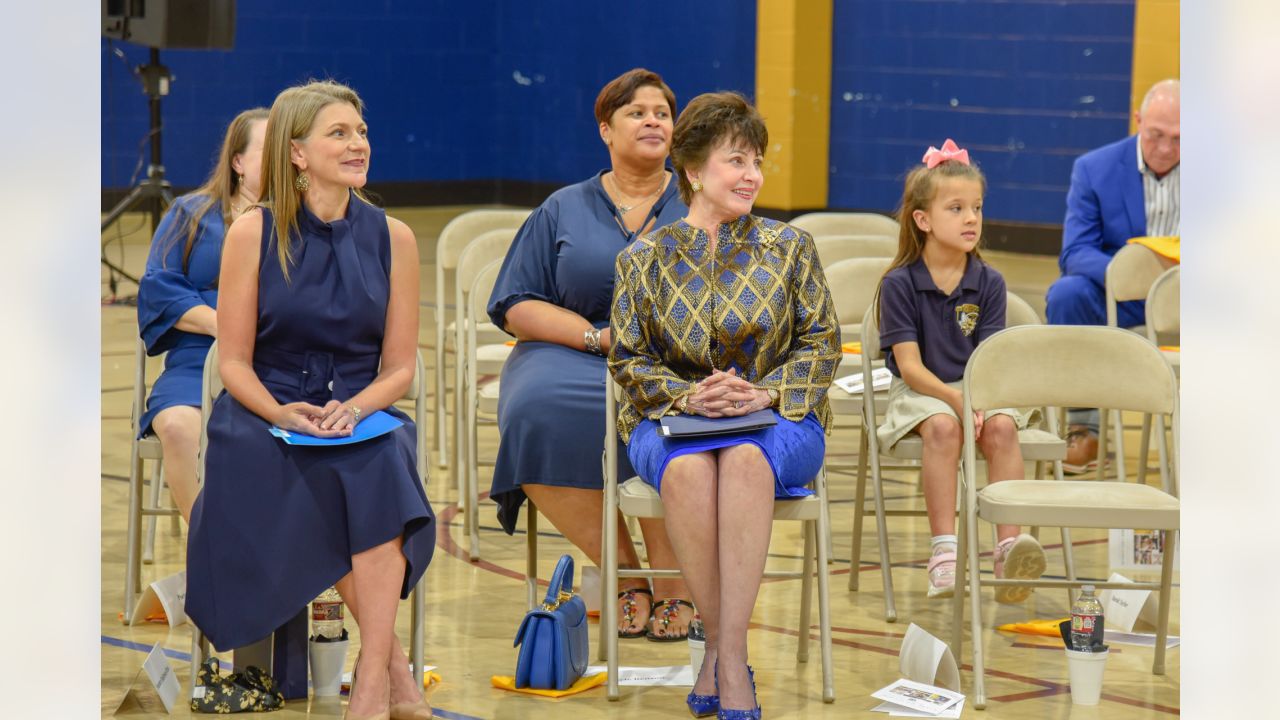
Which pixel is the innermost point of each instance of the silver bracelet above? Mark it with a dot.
(591, 339)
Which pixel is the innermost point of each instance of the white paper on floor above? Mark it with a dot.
(669, 676)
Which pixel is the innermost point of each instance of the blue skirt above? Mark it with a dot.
(794, 450)
(179, 384)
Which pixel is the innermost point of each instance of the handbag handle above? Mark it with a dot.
(561, 586)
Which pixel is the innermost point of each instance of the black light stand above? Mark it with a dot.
(153, 193)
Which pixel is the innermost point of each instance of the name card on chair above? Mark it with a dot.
(166, 595)
(159, 691)
(1124, 608)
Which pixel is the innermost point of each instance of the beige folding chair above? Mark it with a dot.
(481, 399)
(453, 238)
(853, 285)
(1064, 365)
(1129, 276)
(211, 388)
(140, 451)
(834, 248)
(1038, 446)
(1164, 323)
(635, 498)
(847, 223)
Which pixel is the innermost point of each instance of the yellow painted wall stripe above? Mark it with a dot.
(1156, 44)
(793, 92)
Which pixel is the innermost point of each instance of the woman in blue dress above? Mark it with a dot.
(178, 293)
(315, 332)
(553, 295)
(721, 314)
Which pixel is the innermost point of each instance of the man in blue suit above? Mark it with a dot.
(1123, 190)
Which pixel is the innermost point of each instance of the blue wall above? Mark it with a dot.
(1025, 85)
(454, 90)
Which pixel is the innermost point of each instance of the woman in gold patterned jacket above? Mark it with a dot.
(721, 314)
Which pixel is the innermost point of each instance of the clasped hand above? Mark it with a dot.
(335, 419)
(725, 394)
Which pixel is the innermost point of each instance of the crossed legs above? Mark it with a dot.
(719, 508)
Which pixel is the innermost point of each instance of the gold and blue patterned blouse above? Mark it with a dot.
(759, 304)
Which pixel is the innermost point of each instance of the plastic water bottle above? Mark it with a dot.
(326, 617)
(1086, 621)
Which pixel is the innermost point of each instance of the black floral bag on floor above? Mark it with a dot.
(250, 691)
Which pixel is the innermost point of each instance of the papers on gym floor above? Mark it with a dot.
(853, 384)
(930, 686)
(670, 676)
(904, 698)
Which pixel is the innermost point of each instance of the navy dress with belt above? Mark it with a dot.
(275, 524)
(551, 408)
(167, 291)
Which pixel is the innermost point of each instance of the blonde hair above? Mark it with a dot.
(917, 192)
(292, 115)
(222, 185)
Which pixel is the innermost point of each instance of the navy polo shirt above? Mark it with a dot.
(947, 327)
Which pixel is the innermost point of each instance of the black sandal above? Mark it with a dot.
(665, 611)
(629, 611)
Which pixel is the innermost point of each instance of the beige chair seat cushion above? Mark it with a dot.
(491, 358)
(486, 334)
(487, 398)
(1078, 503)
(149, 448)
(638, 499)
(1036, 445)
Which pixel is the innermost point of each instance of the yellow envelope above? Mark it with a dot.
(1168, 246)
(1035, 627)
(584, 683)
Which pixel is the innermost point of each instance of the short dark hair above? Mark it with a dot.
(711, 119)
(622, 90)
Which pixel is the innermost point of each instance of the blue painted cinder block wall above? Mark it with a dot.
(1025, 85)
(455, 90)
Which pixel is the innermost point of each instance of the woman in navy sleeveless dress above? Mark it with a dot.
(179, 291)
(313, 336)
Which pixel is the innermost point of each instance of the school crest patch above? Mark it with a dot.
(967, 318)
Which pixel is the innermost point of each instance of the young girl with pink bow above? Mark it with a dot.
(937, 301)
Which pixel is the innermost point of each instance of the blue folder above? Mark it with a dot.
(377, 424)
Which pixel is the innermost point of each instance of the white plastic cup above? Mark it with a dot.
(590, 588)
(327, 661)
(697, 648)
(1085, 670)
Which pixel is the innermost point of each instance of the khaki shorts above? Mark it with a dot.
(908, 408)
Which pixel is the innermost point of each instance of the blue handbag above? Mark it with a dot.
(553, 638)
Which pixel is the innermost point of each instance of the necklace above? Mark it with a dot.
(628, 208)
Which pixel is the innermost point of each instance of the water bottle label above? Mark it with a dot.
(325, 611)
(1083, 623)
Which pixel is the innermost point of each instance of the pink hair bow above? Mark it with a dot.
(950, 151)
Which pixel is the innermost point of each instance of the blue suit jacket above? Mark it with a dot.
(1105, 208)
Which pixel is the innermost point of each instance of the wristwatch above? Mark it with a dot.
(773, 395)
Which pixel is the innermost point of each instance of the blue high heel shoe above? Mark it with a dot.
(704, 705)
(727, 714)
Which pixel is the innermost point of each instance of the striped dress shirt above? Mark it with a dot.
(1161, 198)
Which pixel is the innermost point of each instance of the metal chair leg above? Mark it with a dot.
(859, 512)
(806, 591)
